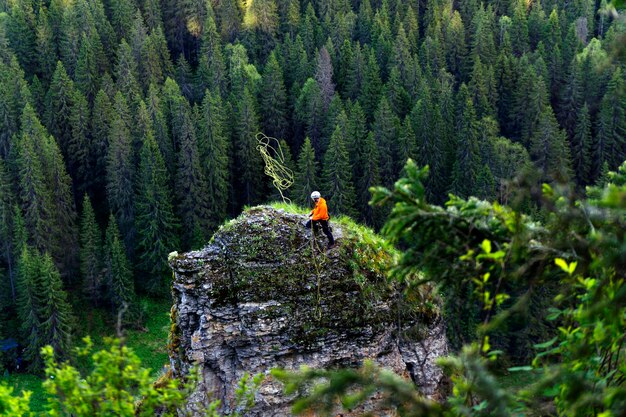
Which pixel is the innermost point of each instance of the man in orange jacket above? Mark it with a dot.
(319, 217)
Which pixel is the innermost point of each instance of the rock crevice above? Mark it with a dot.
(253, 300)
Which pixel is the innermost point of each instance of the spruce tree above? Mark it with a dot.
(161, 130)
(87, 74)
(213, 144)
(78, 160)
(324, 77)
(549, 150)
(211, 67)
(56, 313)
(407, 147)
(467, 163)
(46, 56)
(59, 108)
(191, 186)
(126, 71)
(33, 196)
(273, 100)
(305, 179)
(611, 136)
(581, 148)
(118, 272)
(155, 223)
(337, 184)
(310, 115)
(62, 224)
(248, 159)
(120, 178)
(369, 179)
(90, 252)
(385, 130)
(372, 87)
(29, 302)
(6, 226)
(102, 116)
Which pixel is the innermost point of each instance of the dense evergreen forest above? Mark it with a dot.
(127, 127)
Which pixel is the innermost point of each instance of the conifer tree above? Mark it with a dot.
(6, 227)
(56, 314)
(519, 29)
(211, 67)
(78, 159)
(155, 222)
(369, 179)
(385, 129)
(59, 108)
(15, 95)
(483, 42)
(120, 178)
(87, 75)
(337, 176)
(248, 158)
(309, 114)
(467, 162)
(407, 148)
(98, 147)
(45, 56)
(570, 100)
(33, 196)
(184, 78)
(213, 144)
(305, 179)
(273, 100)
(122, 12)
(356, 73)
(191, 186)
(152, 14)
(21, 33)
(611, 142)
(30, 308)
(90, 252)
(355, 126)
(126, 71)
(62, 224)
(324, 77)
(581, 148)
(161, 131)
(118, 272)
(530, 100)
(372, 87)
(549, 150)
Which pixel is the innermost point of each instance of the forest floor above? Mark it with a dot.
(149, 343)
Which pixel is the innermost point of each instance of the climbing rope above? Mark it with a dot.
(275, 168)
(282, 179)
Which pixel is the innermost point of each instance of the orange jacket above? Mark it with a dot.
(320, 212)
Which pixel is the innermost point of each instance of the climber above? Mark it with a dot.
(319, 217)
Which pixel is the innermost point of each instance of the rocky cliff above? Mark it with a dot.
(263, 294)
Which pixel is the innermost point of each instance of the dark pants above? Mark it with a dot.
(325, 229)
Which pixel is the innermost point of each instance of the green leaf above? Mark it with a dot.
(520, 369)
(486, 246)
(547, 344)
(562, 264)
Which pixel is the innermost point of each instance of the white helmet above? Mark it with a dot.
(315, 194)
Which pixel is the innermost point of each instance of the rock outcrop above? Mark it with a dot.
(262, 294)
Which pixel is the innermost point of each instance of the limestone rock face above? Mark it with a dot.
(263, 294)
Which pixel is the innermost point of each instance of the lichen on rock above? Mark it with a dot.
(265, 293)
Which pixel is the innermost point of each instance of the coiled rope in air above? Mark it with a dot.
(282, 178)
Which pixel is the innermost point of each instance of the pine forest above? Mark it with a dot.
(128, 130)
